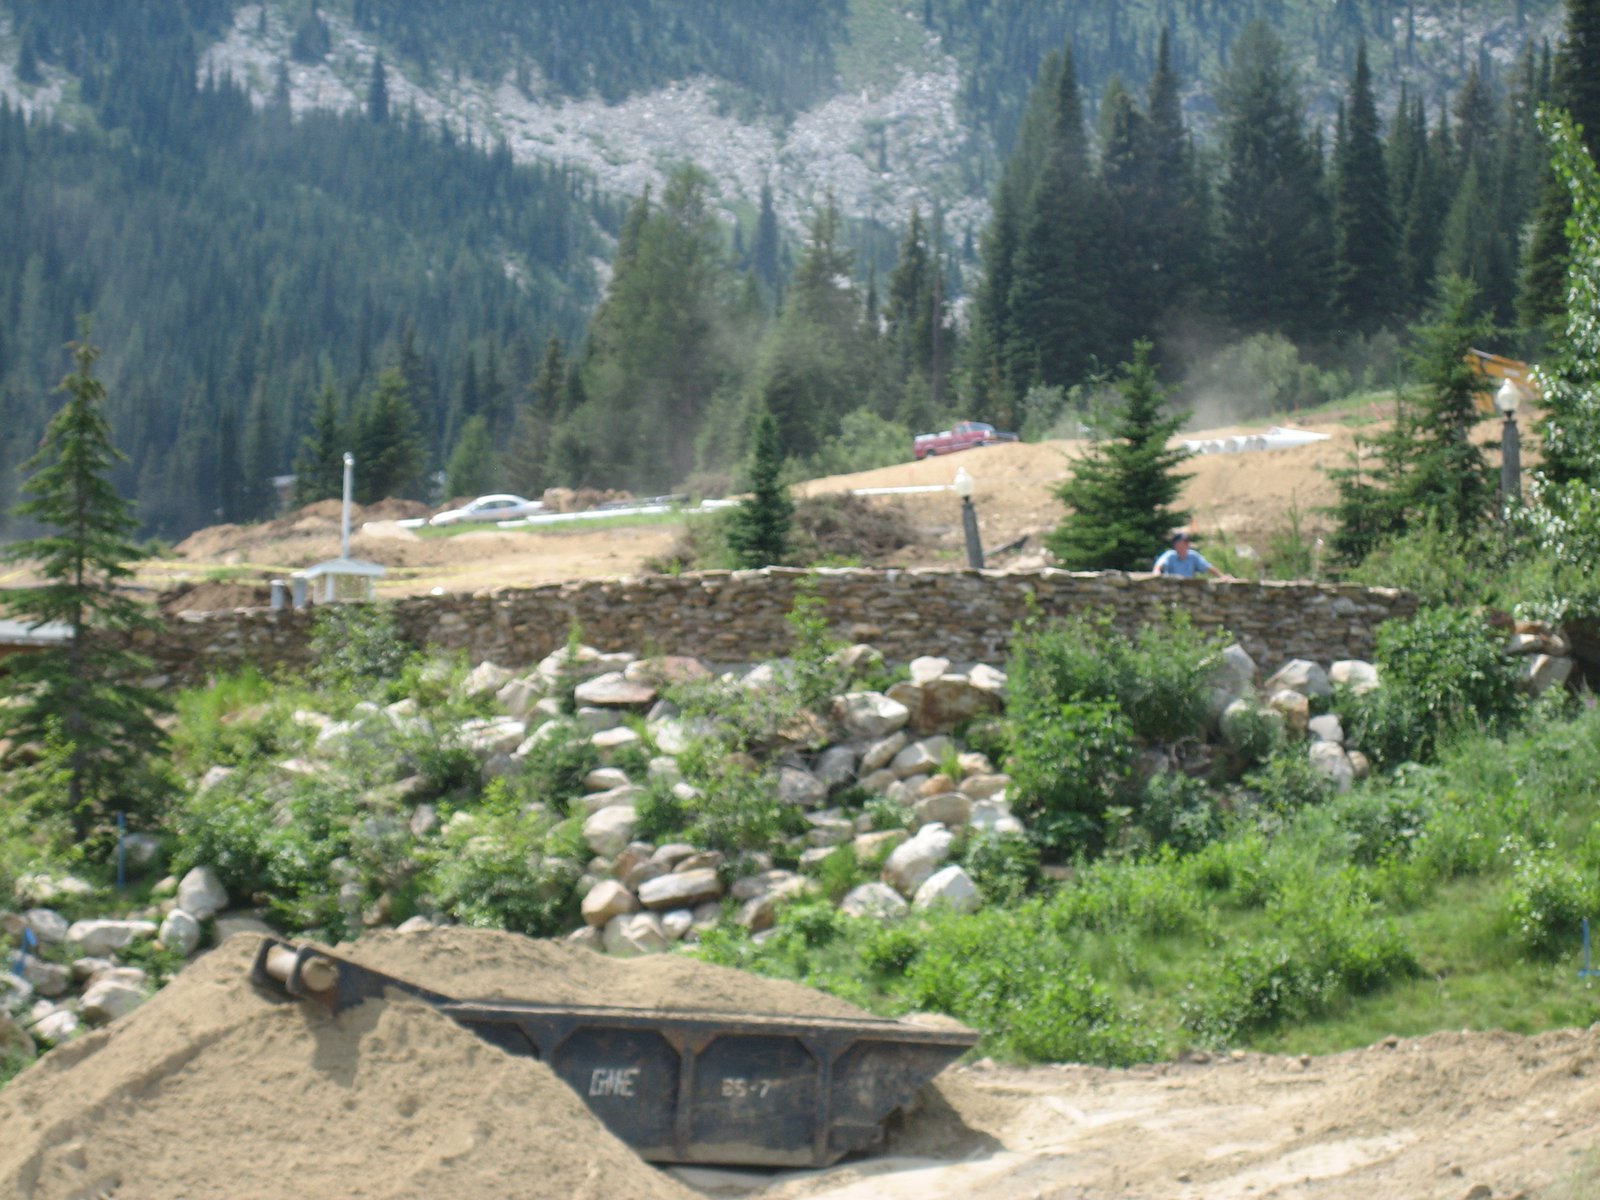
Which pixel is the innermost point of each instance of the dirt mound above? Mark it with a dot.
(484, 964)
(215, 1088)
(215, 597)
(318, 522)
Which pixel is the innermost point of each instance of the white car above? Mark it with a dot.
(489, 508)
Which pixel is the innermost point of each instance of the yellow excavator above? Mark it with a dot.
(1498, 366)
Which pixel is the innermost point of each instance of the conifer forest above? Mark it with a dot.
(275, 280)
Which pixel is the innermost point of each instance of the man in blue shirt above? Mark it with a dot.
(1184, 562)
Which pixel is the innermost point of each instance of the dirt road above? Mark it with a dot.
(1452, 1116)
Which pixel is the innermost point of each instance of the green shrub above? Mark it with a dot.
(1546, 901)
(1069, 767)
(1127, 898)
(1005, 866)
(1443, 671)
(556, 765)
(357, 648)
(1288, 782)
(506, 868)
(1178, 811)
(839, 872)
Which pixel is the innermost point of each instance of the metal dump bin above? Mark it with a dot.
(680, 1087)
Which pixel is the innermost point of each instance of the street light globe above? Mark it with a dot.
(964, 484)
(1507, 398)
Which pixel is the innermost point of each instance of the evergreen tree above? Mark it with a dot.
(1428, 471)
(388, 449)
(1061, 285)
(1540, 301)
(764, 255)
(1364, 239)
(319, 467)
(80, 698)
(472, 467)
(378, 94)
(1120, 492)
(1275, 244)
(758, 530)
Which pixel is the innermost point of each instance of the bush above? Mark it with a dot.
(1069, 767)
(357, 648)
(1005, 866)
(1180, 812)
(1546, 901)
(1157, 679)
(1287, 782)
(556, 765)
(506, 868)
(1443, 671)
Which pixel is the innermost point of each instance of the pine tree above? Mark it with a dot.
(1061, 286)
(378, 94)
(1364, 237)
(1120, 492)
(388, 449)
(471, 470)
(758, 530)
(764, 255)
(81, 698)
(319, 467)
(1275, 245)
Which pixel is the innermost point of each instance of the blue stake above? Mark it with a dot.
(1587, 970)
(122, 851)
(29, 942)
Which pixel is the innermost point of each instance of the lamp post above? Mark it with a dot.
(1506, 400)
(964, 486)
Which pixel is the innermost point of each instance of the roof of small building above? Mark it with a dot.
(345, 566)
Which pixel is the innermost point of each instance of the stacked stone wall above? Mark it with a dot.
(727, 617)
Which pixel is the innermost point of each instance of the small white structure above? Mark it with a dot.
(361, 573)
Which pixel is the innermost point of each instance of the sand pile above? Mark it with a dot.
(482, 964)
(215, 1088)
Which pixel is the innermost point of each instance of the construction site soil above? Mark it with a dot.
(215, 1088)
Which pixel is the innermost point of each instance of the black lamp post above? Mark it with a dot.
(964, 486)
(1506, 400)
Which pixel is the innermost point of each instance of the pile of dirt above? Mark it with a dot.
(316, 522)
(215, 1087)
(216, 596)
(483, 964)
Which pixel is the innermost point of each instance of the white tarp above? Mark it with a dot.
(1276, 437)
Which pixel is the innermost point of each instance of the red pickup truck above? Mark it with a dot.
(964, 435)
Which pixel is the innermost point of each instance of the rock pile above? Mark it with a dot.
(880, 777)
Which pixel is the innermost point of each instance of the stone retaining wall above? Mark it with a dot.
(728, 617)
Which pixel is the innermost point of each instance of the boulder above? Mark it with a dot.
(927, 668)
(1234, 671)
(943, 808)
(881, 753)
(912, 862)
(591, 718)
(107, 999)
(1541, 672)
(950, 701)
(49, 926)
(836, 766)
(920, 758)
(628, 794)
(107, 937)
(520, 697)
(870, 714)
(610, 829)
(141, 849)
(951, 888)
(588, 937)
(982, 787)
(485, 679)
(16, 993)
(681, 889)
(677, 923)
(1238, 724)
(801, 788)
(642, 873)
(666, 669)
(857, 660)
(759, 913)
(994, 816)
(635, 934)
(829, 831)
(607, 900)
(612, 742)
(871, 845)
(615, 690)
(47, 978)
(56, 1025)
(1329, 759)
(1295, 709)
(1300, 675)
(878, 901)
(673, 853)
(488, 736)
(1327, 728)
(603, 779)
(201, 894)
(772, 882)
(1355, 674)
(42, 888)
